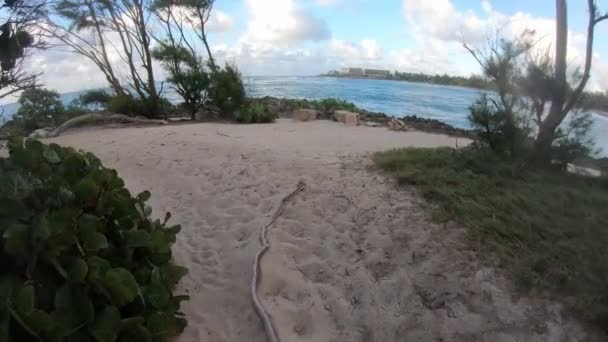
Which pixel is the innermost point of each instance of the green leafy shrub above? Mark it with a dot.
(332, 104)
(80, 257)
(133, 106)
(38, 108)
(227, 90)
(255, 113)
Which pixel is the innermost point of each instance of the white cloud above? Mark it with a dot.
(439, 23)
(220, 22)
(283, 22)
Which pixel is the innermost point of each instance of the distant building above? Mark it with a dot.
(376, 72)
(361, 72)
(352, 71)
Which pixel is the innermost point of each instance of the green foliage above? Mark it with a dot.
(97, 98)
(327, 105)
(40, 108)
(574, 140)
(548, 228)
(187, 74)
(80, 258)
(227, 90)
(255, 113)
(130, 105)
(496, 127)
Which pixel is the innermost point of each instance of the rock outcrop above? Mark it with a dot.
(347, 118)
(304, 115)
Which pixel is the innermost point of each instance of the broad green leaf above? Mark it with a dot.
(138, 333)
(51, 156)
(94, 241)
(4, 326)
(76, 269)
(144, 196)
(86, 190)
(40, 322)
(88, 223)
(97, 268)
(121, 285)
(131, 322)
(16, 239)
(106, 325)
(24, 300)
(137, 238)
(157, 295)
(73, 307)
(41, 228)
(172, 274)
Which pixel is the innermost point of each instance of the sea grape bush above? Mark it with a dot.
(80, 257)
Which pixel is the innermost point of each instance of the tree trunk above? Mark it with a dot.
(546, 132)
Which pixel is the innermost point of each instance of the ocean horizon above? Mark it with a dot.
(449, 104)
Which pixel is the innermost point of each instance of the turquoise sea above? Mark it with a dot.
(445, 103)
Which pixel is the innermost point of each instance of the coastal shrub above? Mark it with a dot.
(81, 259)
(133, 106)
(227, 90)
(38, 108)
(332, 104)
(188, 75)
(255, 113)
(497, 127)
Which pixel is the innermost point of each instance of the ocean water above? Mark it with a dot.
(446, 103)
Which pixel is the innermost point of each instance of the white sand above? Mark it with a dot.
(352, 259)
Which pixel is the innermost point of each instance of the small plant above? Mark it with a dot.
(332, 104)
(80, 257)
(255, 113)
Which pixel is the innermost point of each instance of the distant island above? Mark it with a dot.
(473, 81)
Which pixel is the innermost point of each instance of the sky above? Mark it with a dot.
(310, 37)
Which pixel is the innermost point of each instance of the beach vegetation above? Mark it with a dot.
(545, 227)
(40, 108)
(538, 89)
(188, 75)
(82, 258)
(227, 90)
(255, 113)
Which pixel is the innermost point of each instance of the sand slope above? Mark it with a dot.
(352, 259)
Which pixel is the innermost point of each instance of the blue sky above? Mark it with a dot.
(308, 37)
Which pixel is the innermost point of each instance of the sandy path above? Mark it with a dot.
(352, 259)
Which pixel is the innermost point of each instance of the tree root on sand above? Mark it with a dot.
(257, 272)
(91, 118)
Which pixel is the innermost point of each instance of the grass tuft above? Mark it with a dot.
(549, 229)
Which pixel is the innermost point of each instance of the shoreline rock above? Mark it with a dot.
(284, 107)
